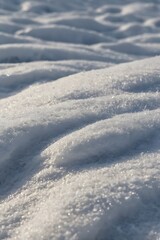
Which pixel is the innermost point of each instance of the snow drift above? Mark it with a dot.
(79, 120)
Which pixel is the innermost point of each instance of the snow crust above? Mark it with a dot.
(79, 120)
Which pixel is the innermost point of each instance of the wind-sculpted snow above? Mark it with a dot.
(82, 162)
(79, 120)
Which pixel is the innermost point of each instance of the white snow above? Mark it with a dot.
(79, 120)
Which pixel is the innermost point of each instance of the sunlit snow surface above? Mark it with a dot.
(79, 120)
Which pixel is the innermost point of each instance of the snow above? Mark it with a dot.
(79, 120)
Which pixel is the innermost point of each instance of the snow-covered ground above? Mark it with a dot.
(79, 120)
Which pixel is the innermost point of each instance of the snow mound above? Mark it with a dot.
(85, 159)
